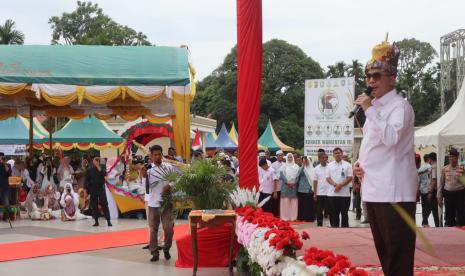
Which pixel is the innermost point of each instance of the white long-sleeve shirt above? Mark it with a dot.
(156, 174)
(387, 152)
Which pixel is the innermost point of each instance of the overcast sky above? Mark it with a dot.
(327, 30)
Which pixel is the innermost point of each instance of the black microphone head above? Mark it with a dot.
(368, 90)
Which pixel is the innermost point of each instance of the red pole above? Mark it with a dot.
(249, 87)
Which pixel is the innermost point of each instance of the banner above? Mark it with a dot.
(328, 103)
(13, 149)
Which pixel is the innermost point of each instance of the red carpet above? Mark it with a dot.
(357, 244)
(64, 245)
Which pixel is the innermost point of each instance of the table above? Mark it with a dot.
(211, 218)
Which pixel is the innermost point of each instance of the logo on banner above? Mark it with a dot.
(328, 103)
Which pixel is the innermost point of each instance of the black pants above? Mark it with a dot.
(428, 207)
(394, 240)
(306, 207)
(321, 202)
(455, 207)
(5, 198)
(101, 198)
(275, 205)
(338, 211)
(268, 205)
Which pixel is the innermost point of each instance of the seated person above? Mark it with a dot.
(135, 181)
(36, 205)
(70, 203)
(84, 202)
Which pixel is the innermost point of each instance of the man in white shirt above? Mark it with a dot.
(339, 176)
(157, 187)
(321, 186)
(276, 166)
(386, 165)
(268, 184)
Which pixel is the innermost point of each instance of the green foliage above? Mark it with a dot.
(245, 264)
(285, 68)
(203, 184)
(419, 77)
(88, 25)
(8, 34)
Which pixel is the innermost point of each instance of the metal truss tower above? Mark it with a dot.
(452, 66)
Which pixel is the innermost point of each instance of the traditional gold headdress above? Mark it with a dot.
(384, 56)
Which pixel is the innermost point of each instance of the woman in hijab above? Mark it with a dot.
(288, 177)
(35, 204)
(51, 199)
(31, 199)
(306, 210)
(70, 203)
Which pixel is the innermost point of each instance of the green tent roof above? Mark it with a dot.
(87, 130)
(270, 140)
(15, 131)
(94, 65)
(267, 140)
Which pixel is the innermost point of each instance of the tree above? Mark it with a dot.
(8, 34)
(285, 69)
(338, 70)
(88, 25)
(419, 77)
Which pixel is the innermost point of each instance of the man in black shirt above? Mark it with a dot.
(95, 183)
(5, 172)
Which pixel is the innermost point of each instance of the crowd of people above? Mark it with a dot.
(306, 190)
(52, 187)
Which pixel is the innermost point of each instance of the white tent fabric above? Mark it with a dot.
(448, 130)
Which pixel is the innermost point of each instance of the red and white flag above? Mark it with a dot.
(197, 142)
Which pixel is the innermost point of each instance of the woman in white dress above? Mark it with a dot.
(65, 173)
(46, 175)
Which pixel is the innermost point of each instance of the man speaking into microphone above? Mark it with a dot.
(387, 162)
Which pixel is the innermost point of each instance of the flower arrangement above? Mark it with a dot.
(272, 244)
(245, 197)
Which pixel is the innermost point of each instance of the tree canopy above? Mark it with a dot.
(419, 77)
(88, 25)
(285, 69)
(8, 34)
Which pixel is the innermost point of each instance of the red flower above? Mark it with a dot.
(358, 272)
(305, 235)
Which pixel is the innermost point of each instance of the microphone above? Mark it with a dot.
(358, 107)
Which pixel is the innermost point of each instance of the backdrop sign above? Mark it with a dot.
(13, 149)
(328, 103)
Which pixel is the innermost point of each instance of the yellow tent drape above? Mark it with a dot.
(12, 89)
(157, 120)
(181, 124)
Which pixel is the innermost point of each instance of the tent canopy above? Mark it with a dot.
(224, 141)
(15, 131)
(88, 130)
(270, 140)
(210, 140)
(233, 134)
(105, 81)
(448, 130)
(95, 65)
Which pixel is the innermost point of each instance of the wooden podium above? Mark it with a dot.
(211, 218)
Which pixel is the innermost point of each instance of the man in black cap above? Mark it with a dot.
(452, 191)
